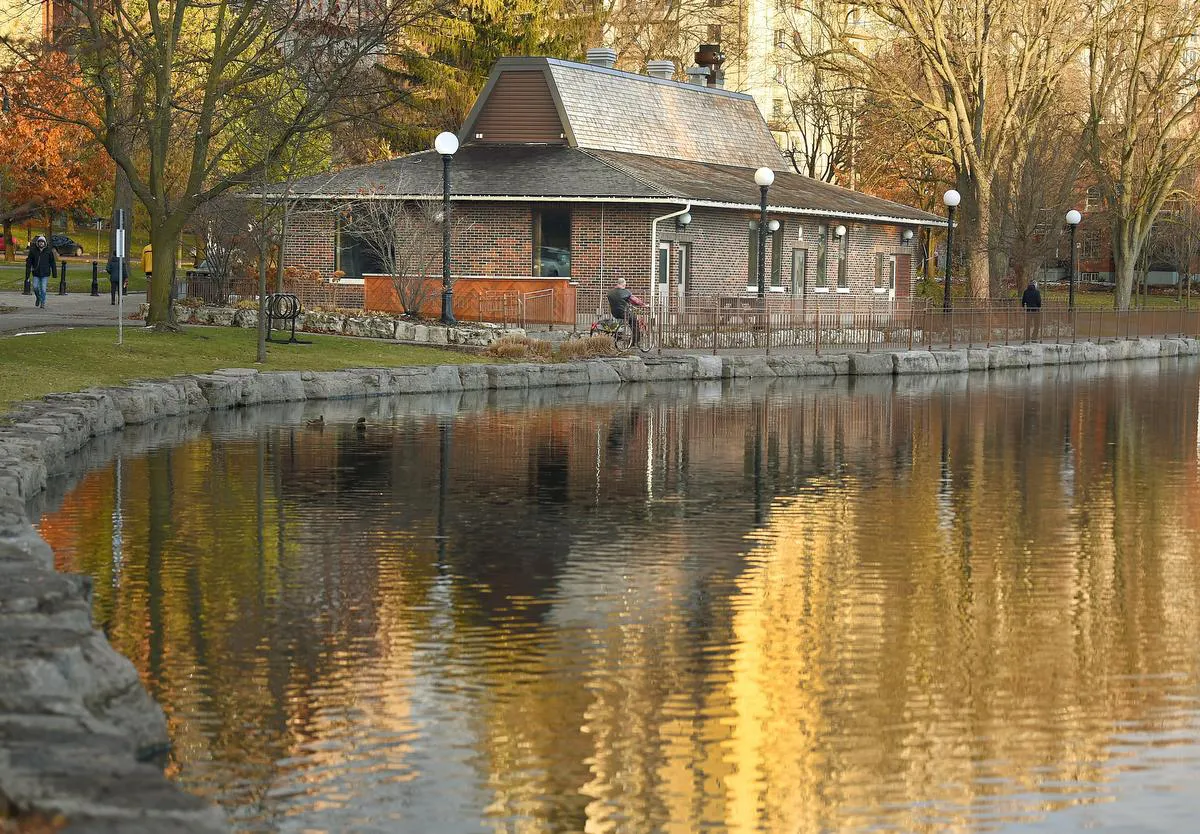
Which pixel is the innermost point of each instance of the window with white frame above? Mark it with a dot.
(1089, 247)
(885, 272)
(1093, 200)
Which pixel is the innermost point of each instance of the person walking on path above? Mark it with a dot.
(42, 265)
(147, 267)
(1031, 300)
(111, 269)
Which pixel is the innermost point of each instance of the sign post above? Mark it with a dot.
(120, 253)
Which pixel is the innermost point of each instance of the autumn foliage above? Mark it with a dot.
(47, 166)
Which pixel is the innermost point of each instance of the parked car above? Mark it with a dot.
(64, 245)
(200, 270)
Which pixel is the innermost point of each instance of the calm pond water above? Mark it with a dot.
(964, 604)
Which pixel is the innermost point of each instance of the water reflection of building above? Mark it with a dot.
(665, 613)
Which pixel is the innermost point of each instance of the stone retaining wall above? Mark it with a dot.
(369, 325)
(76, 725)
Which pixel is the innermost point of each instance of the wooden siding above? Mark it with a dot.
(543, 300)
(519, 109)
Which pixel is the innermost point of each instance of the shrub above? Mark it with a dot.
(520, 347)
(600, 344)
(246, 304)
(189, 302)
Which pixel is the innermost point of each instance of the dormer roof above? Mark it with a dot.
(555, 102)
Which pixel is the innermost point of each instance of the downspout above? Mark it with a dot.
(654, 247)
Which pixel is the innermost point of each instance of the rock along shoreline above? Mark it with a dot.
(79, 733)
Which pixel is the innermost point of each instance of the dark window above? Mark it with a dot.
(752, 266)
(799, 267)
(355, 255)
(714, 33)
(1090, 245)
(822, 279)
(1093, 199)
(843, 256)
(777, 257)
(552, 242)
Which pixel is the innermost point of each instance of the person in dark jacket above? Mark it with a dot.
(115, 283)
(1031, 300)
(42, 265)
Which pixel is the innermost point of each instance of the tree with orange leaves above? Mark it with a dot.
(45, 167)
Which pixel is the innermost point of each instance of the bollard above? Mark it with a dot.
(62, 280)
(95, 282)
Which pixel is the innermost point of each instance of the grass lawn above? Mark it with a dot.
(79, 277)
(71, 360)
(1056, 294)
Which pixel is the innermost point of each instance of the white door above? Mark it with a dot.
(685, 257)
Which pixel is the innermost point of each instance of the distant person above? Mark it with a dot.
(111, 269)
(147, 266)
(42, 265)
(1031, 300)
(620, 300)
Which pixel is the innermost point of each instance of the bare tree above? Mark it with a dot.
(172, 85)
(1176, 241)
(1031, 202)
(987, 71)
(1144, 101)
(221, 227)
(645, 30)
(403, 239)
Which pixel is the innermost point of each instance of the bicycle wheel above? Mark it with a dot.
(623, 338)
(644, 339)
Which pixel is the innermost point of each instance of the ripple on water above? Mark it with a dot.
(798, 607)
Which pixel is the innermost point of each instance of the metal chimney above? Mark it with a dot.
(661, 69)
(697, 75)
(709, 55)
(602, 57)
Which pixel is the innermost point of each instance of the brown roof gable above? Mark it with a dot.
(602, 109)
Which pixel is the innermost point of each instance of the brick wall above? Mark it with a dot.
(611, 240)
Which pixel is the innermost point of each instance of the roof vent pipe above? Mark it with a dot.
(697, 75)
(602, 57)
(661, 69)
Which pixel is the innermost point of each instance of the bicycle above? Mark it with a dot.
(622, 331)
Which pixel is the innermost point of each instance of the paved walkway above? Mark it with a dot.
(18, 315)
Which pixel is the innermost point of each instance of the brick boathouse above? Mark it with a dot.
(570, 175)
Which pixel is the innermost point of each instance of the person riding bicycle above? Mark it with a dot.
(619, 301)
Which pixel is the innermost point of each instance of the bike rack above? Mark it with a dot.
(283, 307)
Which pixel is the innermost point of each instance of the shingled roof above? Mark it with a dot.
(608, 110)
(541, 172)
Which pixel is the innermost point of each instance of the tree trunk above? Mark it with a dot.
(164, 237)
(978, 237)
(1123, 273)
(122, 199)
(262, 306)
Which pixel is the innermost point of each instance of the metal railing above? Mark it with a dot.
(859, 328)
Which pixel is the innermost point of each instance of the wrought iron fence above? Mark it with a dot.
(864, 328)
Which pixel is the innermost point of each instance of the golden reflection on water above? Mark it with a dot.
(953, 605)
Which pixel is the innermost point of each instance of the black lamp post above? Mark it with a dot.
(951, 199)
(763, 178)
(446, 144)
(1073, 218)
